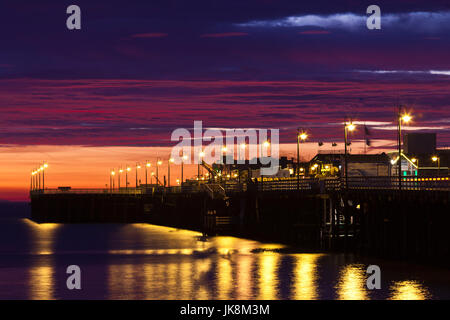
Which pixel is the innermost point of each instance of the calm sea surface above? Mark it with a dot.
(141, 261)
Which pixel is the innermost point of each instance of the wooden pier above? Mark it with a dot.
(368, 215)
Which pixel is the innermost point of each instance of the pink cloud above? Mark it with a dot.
(224, 35)
(315, 32)
(150, 35)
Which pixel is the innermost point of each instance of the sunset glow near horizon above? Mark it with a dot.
(112, 93)
(89, 167)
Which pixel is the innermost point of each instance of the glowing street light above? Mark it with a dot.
(266, 145)
(416, 162)
(147, 165)
(183, 159)
(351, 127)
(347, 127)
(401, 118)
(171, 160)
(301, 136)
(138, 166)
(438, 160)
(120, 173)
(37, 173)
(406, 118)
(111, 180)
(126, 176)
(158, 163)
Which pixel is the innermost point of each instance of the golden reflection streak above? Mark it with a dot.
(352, 283)
(185, 283)
(305, 277)
(201, 287)
(41, 277)
(224, 278)
(409, 290)
(171, 281)
(244, 277)
(156, 228)
(41, 283)
(225, 242)
(149, 275)
(267, 275)
(121, 281)
(43, 236)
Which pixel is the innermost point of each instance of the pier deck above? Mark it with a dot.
(368, 215)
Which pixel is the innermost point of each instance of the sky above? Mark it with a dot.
(112, 93)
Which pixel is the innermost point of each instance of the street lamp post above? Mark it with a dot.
(44, 166)
(200, 159)
(224, 158)
(416, 162)
(347, 127)
(405, 118)
(32, 180)
(120, 171)
(266, 144)
(39, 178)
(184, 157)
(168, 171)
(126, 176)
(147, 165)
(300, 136)
(113, 173)
(438, 160)
(138, 166)
(158, 163)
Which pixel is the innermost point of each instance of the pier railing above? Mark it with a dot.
(279, 184)
(392, 183)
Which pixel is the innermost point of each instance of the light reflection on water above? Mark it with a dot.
(41, 276)
(351, 283)
(140, 261)
(409, 290)
(305, 280)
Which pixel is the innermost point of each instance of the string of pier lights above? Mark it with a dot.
(120, 170)
(127, 169)
(35, 182)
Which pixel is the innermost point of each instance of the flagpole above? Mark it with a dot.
(365, 138)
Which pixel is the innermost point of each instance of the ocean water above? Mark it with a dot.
(143, 261)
